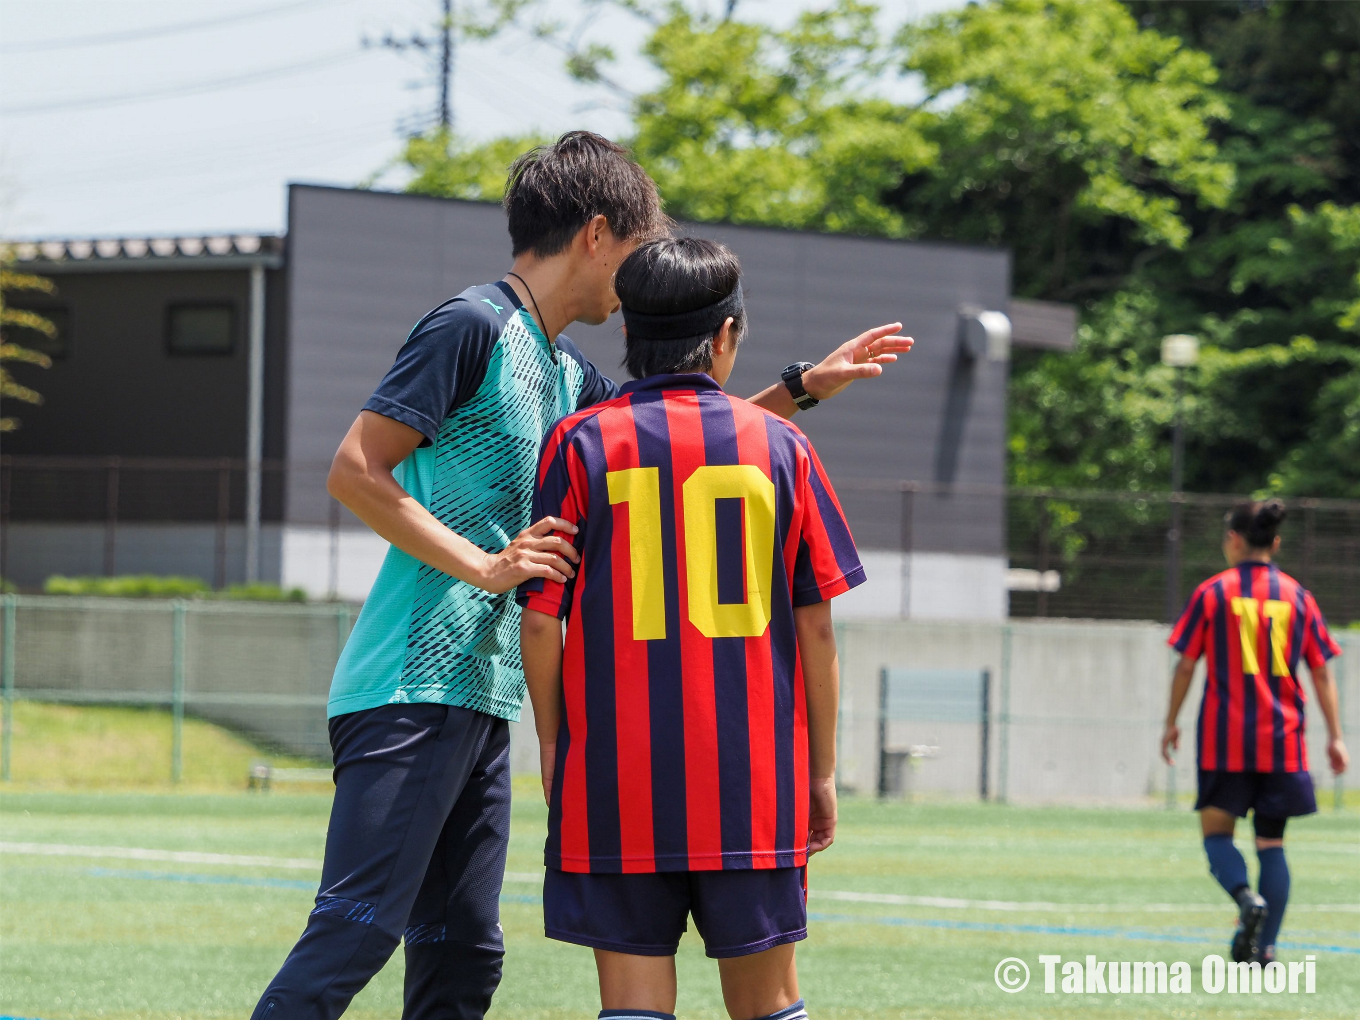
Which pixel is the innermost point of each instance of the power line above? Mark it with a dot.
(444, 43)
(184, 89)
(136, 35)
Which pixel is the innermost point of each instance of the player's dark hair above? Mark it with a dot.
(1257, 522)
(670, 276)
(555, 190)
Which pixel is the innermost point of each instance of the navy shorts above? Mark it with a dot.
(1269, 794)
(737, 912)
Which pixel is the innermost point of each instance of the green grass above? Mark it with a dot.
(118, 939)
(80, 747)
(92, 938)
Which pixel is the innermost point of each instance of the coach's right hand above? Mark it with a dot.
(535, 552)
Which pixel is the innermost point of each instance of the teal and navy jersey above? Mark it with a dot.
(479, 380)
(704, 520)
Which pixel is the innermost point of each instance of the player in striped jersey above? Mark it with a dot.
(688, 728)
(1253, 623)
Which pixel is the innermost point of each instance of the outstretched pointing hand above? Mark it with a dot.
(860, 358)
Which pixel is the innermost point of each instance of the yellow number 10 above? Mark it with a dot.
(1248, 612)
(640, 488)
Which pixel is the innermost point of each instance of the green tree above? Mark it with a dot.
(1169, 167)
(17, 321)
(1065, 132)
(756, 125)
(445, 166)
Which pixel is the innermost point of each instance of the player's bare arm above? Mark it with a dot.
(1180, 687)
(1324, 682)
(821, 681)
(540, 646)
(361, 478)
(860, 358)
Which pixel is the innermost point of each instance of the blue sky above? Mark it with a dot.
(129, 117)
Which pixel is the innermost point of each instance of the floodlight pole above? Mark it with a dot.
(1173, 535)
(1179, 352)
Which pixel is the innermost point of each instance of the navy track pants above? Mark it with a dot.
(415, 851)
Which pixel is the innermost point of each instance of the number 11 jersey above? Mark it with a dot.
(704, 520)
(1253, 623)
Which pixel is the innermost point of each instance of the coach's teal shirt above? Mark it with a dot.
(481, 382)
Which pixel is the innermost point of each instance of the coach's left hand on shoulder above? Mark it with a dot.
(860, 358)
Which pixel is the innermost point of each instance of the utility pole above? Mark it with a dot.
(446, 69)
(445, 42)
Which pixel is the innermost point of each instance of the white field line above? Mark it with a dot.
(1012, 906)
(129, 853)
(535, 877)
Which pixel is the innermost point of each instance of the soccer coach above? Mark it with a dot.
(441, 463)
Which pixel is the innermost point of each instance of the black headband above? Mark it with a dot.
(682, 325)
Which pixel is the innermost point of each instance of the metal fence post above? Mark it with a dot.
(1004, 765)
(333, 533)
(882, 733)
(7, 668)
(220, 532)
(111, 516)
(1042, 599)
(177, 694)
(341, 629)
(986, 731)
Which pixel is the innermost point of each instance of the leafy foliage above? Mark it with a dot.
(444, 166)
(1072, 136)
(755, 125)
(1168, 166)
(13, 320)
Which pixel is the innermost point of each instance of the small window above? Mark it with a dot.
(201, 329)
(55, 346)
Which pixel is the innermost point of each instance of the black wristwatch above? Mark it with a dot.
(793, 379)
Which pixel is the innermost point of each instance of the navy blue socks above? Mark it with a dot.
(795, 1012)
(1274, 889)
(1226, 864)
(634, 1014)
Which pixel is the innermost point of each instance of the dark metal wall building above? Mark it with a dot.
(359, 270)
(363, 266)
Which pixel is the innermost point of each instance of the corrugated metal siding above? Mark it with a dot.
(365, 266)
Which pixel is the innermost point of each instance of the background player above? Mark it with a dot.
(688, 732)
(1254, 623)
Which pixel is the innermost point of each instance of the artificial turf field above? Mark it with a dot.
(149, 937)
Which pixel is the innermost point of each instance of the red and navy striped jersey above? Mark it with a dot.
(704, 520)
(1253, 623)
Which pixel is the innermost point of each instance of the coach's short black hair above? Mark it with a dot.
(555, 190)
(1257, 522)
(666, 277)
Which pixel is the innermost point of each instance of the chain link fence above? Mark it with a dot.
(262, 670)
(1117, 556)
(1028, 711)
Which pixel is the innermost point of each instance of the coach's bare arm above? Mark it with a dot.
(540, 646)
(361, 478)
(1325, 685)
(822, 683)
(860, 358)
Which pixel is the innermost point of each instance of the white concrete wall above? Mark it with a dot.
(927, 586)
(343, 563)
(1077, 708)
